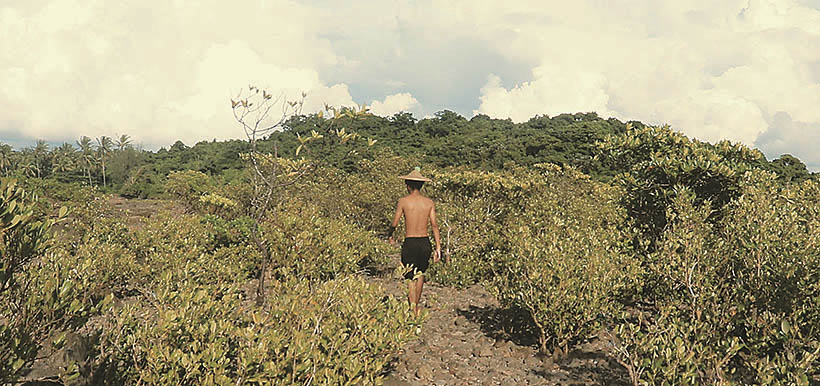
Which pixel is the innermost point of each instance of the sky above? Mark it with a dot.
(163, 70)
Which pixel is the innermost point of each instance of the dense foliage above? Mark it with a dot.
(446, 139)
(700, 261)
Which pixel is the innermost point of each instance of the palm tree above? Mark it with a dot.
(40, 153)
(64, 158)
(6, 153)
(123, 142)
(28, 163)
(104, 145)
(86, 155)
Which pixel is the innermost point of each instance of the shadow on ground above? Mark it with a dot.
(515, 325)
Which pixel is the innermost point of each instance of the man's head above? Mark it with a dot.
(413, 185)
(414, 180)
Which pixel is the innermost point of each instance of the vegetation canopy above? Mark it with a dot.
(253, 261)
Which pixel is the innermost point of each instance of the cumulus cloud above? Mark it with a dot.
(165, 70)
(393, 104)
(786, 136)
(159, 73)
(712, 70)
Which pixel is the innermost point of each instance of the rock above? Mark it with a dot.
(462, 351)
(395, 381)
(482, 351)
(488, 381)
(521, 351)
(461, 321)
(443, 378)
(424, 371)
(532, 361)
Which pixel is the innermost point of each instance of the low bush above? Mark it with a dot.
(187, 186)
(40, 295)
(565, 263)
(472, 210)
(735, 301)
(308, 245)
(339, 332)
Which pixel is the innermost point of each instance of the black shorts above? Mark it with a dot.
(415, 254)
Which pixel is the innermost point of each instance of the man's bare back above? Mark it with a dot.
(417, 209)
(416, 250)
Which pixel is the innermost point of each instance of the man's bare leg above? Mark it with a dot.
(411, 295)
(419, 284)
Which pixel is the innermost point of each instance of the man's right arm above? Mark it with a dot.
(436, 235)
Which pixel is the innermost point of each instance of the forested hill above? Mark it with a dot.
(447, 139)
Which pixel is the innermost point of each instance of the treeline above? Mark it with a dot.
(447, 139)
(693, 263)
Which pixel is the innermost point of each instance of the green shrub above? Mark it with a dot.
(40, 296)
(655, 160)
(229, 232)
(472, 209)
(187, 186)
(306, 244)
(735, 301)
(565, 264)
(341, 332)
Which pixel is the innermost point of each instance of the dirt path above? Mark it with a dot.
(468, 339)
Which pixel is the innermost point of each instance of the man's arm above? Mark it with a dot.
(395, 223)
(436, 235)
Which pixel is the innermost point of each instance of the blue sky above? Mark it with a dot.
(744, 70)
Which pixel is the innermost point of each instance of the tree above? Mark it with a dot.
(64, 158)
(40, 154)
(123, 142)
(269, 172)
(790, 168)
(86, 155)
(6, 154)
(104, 146)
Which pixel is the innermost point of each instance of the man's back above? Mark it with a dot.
(416, 249)
(416, 209)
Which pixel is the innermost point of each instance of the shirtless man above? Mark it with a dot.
(416, 250)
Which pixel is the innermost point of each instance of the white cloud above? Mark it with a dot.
(393, 104)
(159, 72)
(164, 70)
(713, 70)
(786, 136)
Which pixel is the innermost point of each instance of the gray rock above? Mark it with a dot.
(461, 321)
(424, 371)
(395, 381)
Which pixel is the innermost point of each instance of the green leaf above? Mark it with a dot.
(785, 327)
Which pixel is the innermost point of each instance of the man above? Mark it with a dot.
(415, 252)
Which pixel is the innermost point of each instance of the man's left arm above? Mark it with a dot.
(395, 223)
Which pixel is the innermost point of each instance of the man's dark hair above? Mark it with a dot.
(414, 185)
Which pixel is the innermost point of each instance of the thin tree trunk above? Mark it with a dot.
(260, 287)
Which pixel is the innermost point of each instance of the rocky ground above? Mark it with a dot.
(467, 339)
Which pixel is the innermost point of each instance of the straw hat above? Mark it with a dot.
(415, 175)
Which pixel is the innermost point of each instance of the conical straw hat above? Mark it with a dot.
(415, 175)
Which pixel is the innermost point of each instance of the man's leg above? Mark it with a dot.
(419, 284)
(411, 294)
